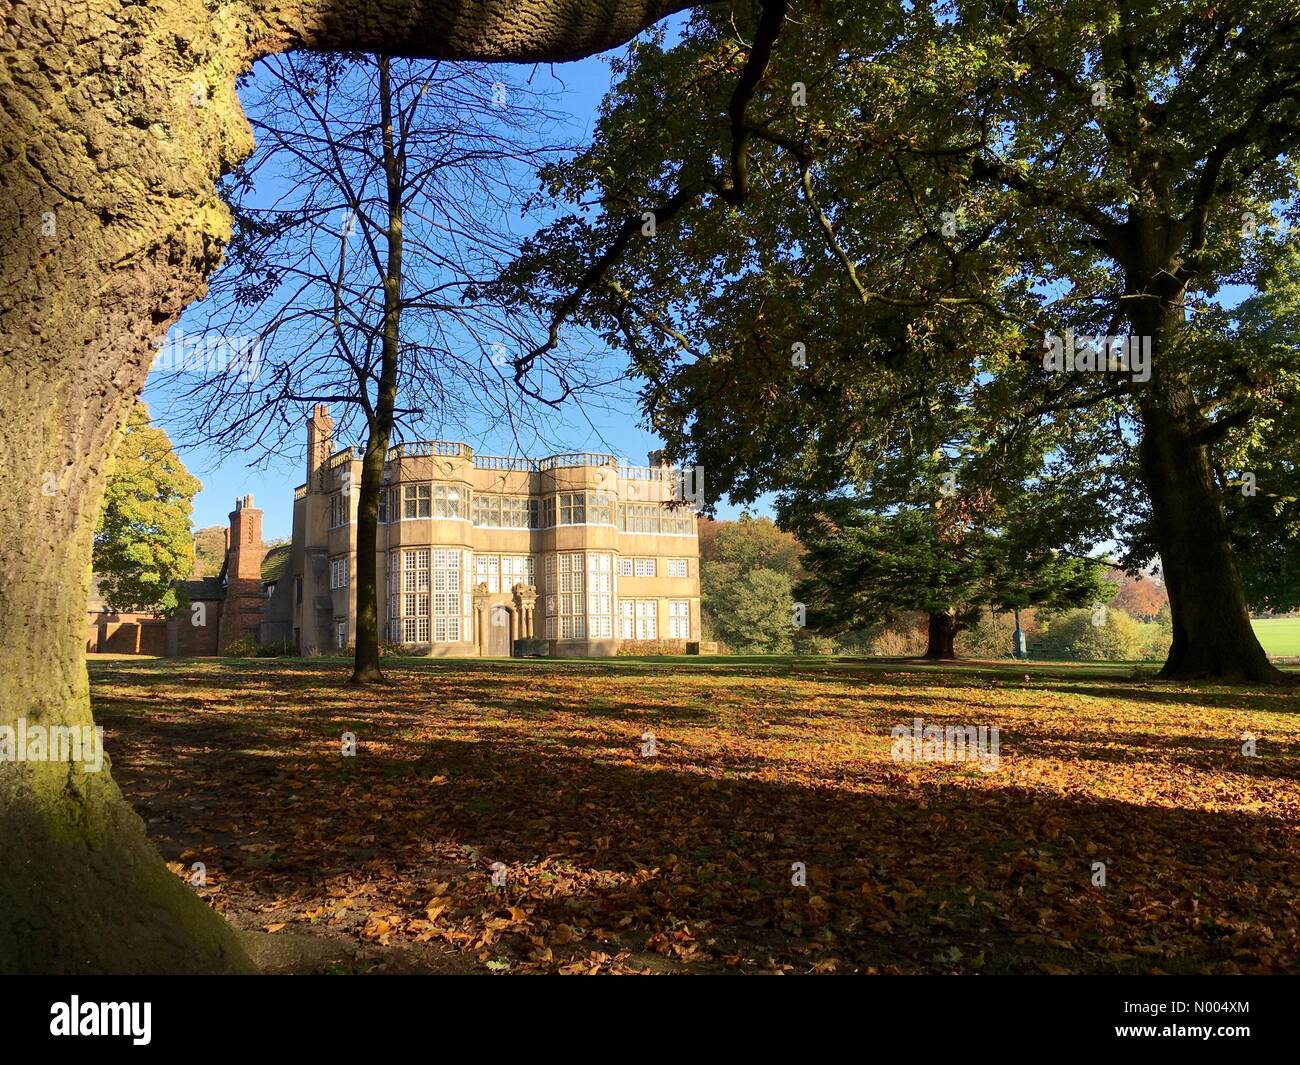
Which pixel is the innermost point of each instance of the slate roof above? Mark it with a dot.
(202, 588)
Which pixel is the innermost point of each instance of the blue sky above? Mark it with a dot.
(611, 424)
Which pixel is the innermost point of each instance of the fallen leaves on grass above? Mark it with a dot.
(615, 862)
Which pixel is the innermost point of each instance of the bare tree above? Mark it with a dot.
(396, 187)
(111, 227)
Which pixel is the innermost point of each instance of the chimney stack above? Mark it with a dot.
(320, 445)
(241, 611)
(244, 541)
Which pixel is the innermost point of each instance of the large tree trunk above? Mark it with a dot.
(81, 887)
(942, 636)
(110, 225)
(117, 119)
(1212, 634)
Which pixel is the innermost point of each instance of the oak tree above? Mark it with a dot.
(117, 122)
(1036, 202)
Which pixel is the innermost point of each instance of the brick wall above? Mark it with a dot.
(184, 638)
(126, 634)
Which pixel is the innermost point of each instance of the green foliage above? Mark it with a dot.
(209, 550)
(1259, 463)
(807, 642)
(867, 567)
(755, 543)
(746, 572)
(243, 647)
(749, 610)
(868, 298)
(142, 542)
(1075, 635)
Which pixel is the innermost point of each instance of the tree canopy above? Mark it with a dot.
(1027, 213)
(866, 566)
(142, 541)
(747, 573)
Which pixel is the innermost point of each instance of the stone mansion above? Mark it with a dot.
(570, 555)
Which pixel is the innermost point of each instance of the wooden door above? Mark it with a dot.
(499, 632)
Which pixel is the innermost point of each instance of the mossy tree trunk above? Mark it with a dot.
(117, 120)
(81, 887)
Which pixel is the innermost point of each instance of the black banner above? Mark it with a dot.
(339, 1014)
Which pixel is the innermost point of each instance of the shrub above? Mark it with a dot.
(244, 647)
(905, 637)
(749, 611)
(1118, 638)
(275, 649)
(812, 643)
(990, 637)
(1156, 637)
(652, 647)
(404, 650)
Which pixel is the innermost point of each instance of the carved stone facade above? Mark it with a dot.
(570, 555)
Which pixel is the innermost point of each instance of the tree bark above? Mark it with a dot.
(116, 121)
(365, 663)
(365, 668)
(1212, 634)
(521, 31)
(942, 636)
(82, 890)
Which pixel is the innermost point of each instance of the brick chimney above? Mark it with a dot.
(320, 445)
(245, 550)
(242, 611)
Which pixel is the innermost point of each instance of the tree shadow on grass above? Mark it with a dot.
(1268, 700)
(673, 855)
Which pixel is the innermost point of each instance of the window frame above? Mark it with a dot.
(417, 496)
(573, 508)
(340, 511)
(675, 616)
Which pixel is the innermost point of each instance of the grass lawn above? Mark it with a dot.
(616, 862)
(1280, 637)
